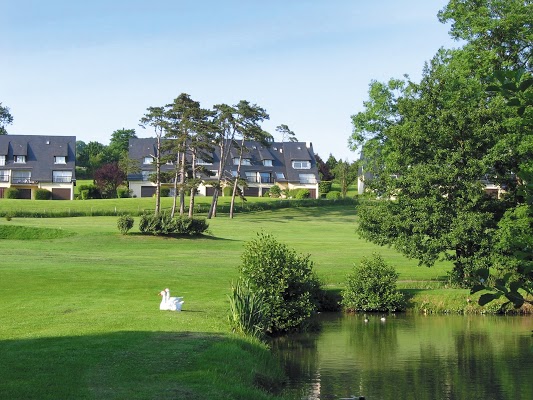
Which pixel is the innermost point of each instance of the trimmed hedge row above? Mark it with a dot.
(198, 208)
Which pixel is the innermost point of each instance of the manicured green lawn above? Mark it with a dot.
(80, 318)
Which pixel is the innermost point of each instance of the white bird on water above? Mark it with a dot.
(383, 319)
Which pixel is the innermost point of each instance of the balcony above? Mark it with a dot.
(263, 179)
(23, 181)
(62, 179)
(308, 180)
(4, 178)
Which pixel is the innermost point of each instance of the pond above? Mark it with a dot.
(411, 357)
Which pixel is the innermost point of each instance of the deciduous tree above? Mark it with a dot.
(5, 119)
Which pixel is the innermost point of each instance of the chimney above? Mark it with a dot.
(308, 144)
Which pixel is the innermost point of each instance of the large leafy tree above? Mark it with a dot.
(431, 142)
(5, 119)
(119, 143)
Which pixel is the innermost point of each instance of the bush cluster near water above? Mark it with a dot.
(283, 280)
(372, 287)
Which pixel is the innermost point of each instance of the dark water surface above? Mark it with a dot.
(411, 357)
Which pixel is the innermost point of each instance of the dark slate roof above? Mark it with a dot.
(281, 154)
(40, 151)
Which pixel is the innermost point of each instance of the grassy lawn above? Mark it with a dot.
(80, 315)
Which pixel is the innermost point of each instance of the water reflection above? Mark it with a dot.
(411, 357)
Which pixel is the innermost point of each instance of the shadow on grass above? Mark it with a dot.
(176, 236)
(126, 365)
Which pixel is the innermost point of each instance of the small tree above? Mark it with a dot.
(275, 191)
(108, 178)
(372, 287)
(283, 279)
(125, 223)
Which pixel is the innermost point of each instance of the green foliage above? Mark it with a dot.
(372, 287)
(123, 192)
(283, 279)
(43, 194)
(164, 224)
(324, 186)
(124, 224)
(89, 192)
(12, 193)
(247, 312)
(5, 119)
(302, 194)
(165, 192)
(334, 195)
(275, 191)
(227, 191)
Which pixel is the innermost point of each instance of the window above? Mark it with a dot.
(280, 175)
(146, 175)
(301, 164)
(4, 176)
(266, 177)
(148, 160)
(199, 161)
(170, 162)
(60, 160)
(19, 159)
(233, 174)
(214, 172)
(2, 160)
(245, 161)
(307, 178)
(62, 176)
(251, 176)
(267, 163)
(21, 177)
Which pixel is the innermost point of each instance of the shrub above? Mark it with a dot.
(124, 224)
(324, 186)
(334, 195)
(227, 191)
(123, 192)
(43, 194)
(12, 193)
(89, 192)
(372, 287)
(302, 194)
(266, 193)
(165, 191)
(164, 224)
(283, 279)
(275, 191)
(247, 314)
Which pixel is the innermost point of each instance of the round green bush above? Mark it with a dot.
(333, 195)
(275, 191)
(165, 192)
(283, 279)
(227, 191)
(43, 194)
(125, 223)
(372, 287)
(12, 193)
(302, 194)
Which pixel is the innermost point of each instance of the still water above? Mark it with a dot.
(411, 357)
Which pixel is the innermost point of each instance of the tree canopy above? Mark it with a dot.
(5, 119)
(432, 146)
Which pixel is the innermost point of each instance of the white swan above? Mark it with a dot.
(163, 305)
(173, 303)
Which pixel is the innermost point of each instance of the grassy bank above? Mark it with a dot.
(80, 313)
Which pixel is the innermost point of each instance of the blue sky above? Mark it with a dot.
(87, 68)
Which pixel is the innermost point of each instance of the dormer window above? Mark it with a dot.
(301, 164)
(19, 159)
(60, 160)
(245, 161)
(2, 160)
(199, 161)
(267, 163)
(148, 160)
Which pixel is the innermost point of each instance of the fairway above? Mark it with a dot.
(83, 308)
